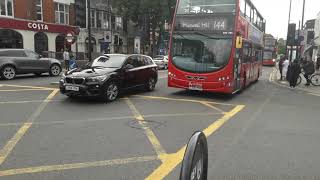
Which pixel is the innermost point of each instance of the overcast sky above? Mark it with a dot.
(276, 13)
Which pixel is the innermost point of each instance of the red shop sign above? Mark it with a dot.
(36, 26)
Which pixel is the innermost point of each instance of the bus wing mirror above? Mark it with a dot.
(239, 42)
(195, 161)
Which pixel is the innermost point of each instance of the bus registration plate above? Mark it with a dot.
(195, 86)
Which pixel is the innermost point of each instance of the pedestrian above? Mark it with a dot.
(318, 63)
(308, 68)
(295, 71)
(285, 66)
(281, 66)
(66, 58)
(72, 62)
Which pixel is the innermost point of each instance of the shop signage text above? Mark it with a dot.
(37, 26)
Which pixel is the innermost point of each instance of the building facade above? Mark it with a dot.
(107, 29)
(38, 25)
(317, 36)
(45, 25)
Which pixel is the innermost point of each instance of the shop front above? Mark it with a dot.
(36, 36)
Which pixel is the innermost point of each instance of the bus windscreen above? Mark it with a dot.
(200, 54)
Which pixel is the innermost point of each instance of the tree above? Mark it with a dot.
(149, 15)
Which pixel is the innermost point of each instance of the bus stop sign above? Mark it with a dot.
(195, 161)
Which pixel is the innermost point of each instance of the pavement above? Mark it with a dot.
(265, 132)
(275, 78)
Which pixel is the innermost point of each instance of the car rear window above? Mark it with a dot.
(3, 53)
(13, 53)
(158, 57)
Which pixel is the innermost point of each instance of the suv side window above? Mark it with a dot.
(133, 60)
(147, 61)
(141, 61)
(31, 54)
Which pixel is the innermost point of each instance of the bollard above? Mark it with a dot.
(195, 161)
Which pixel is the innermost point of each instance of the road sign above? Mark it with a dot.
(70, 38)
(195, 160)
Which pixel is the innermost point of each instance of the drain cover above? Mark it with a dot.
(146, 123)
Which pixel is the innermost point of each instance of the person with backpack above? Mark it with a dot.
(295, 71)
(308, 68)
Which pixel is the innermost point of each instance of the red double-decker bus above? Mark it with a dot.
(215, 45)
(270, 50)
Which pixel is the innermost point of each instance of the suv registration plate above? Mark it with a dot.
(72, 88)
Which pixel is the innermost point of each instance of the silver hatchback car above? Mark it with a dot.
(22, 61)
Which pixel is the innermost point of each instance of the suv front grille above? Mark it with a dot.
(78, 80)
(69, 80)
(75, 80)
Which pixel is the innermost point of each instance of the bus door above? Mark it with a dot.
(237, 69)
(246, 63)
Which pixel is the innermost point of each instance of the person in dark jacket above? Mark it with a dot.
(281, 66)
(295, 71)
(318, 63)
(309, 69)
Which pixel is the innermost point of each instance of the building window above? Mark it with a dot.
(99, 18)
(6, 8)
(61, 13)
(39, 10)
(93, 18)
(105, 20)
(81, 13)
(118, 23)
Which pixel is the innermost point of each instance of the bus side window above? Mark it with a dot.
(246, 53)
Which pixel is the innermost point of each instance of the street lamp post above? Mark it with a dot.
(89, 31)
(288, 28)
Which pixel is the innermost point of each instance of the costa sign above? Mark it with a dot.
(38, 26)
(9, 23)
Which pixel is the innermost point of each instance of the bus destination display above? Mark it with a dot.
(218, 24)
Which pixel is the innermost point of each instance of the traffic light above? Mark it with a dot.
(291, 35)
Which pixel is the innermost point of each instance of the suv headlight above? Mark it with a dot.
(98, 78)
(63, 78)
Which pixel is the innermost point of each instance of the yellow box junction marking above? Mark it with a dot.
(151, 136)
(184, 100)
(212, 107)
(28, 87)
(7, 149)
(172, 160)
(41, 169)
(19, 90)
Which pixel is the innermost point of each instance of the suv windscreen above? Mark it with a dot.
(110, 61)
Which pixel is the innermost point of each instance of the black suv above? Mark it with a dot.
(107, 75)
(23, 61)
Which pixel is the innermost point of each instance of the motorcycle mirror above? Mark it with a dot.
(195, 161)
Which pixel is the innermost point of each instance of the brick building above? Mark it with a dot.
(39, 25)
(42, 25)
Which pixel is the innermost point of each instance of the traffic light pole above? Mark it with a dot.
(89, 31)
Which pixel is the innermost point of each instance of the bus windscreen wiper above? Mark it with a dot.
(210, 37)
